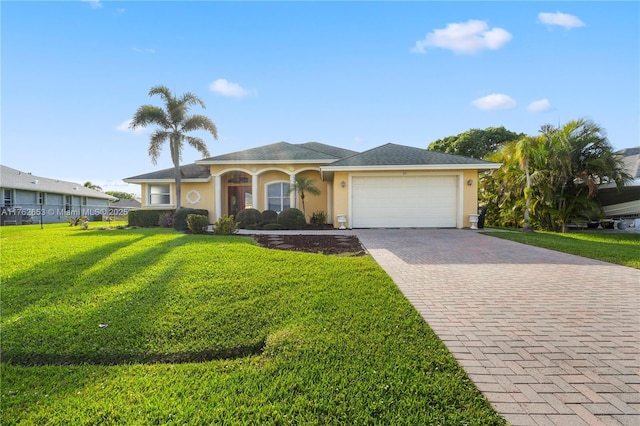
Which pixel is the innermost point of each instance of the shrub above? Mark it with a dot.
(145, 218)
(165, 219)
(248, 218)
(318, 218)
(180, 217)
(197, 223)
(226, 225)
(292, 218)
(267, 217)
(273, 226)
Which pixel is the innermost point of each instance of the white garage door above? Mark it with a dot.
(404, 201)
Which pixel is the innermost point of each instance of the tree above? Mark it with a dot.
(90, 185)
(528, 150)
(304, 185)
(475, 143)
(553, 177)
(121, 195)
(174, 124)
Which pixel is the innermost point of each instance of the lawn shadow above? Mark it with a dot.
(107, 311)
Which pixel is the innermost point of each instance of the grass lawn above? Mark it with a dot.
(150, 326)
(614, 247)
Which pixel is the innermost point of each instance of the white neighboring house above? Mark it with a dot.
(624, 203)
(33, 199)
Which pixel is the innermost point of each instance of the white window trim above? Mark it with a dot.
(266, 193)
(150, 204)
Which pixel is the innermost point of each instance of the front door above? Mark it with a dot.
(237, 198)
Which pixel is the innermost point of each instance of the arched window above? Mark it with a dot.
(278, 196)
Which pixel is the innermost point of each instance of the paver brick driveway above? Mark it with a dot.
(549, 338)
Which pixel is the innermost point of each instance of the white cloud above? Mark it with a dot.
(95, 4)
(466, 37)
(561, 19)
(494, 101)
(540, 106)
(228, 88)
(124, 127)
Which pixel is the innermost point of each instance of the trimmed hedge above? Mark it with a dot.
(145, 218)
(292, 218)
(197, 223)
(248, 218)
(267, 217)
(180, 217)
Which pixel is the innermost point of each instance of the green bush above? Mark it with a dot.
(226, 225)
(318, 218)
(292, 218)
(180, 217)
(197, 223)
(267, 217)
(145, 218)
(165, 219)
(248, 218)
(273, 226)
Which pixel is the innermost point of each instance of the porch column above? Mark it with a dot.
(330, 202)
(292, 196)
(218, 195)
(254, 192)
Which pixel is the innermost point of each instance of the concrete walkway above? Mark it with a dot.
(549, 338)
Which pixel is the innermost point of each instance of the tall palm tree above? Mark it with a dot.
(304, 185)
(174, 123)
(528, 151)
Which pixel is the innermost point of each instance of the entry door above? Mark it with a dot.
(237, 196)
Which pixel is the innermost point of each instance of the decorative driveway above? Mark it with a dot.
(549, 338)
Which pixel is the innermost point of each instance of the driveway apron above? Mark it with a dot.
(549, 338)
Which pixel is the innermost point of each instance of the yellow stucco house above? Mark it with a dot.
(391, 186)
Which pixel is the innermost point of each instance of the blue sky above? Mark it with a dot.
(355, 75)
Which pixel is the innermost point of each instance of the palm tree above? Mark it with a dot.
(527, 149)
(303, 185)
(173, 123)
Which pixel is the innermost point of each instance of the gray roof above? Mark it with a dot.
(16, 179)
(313, 152)
(400, 155)
(631, 161)
(188, 171)
(127, 203)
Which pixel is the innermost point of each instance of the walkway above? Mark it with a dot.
(549, 338)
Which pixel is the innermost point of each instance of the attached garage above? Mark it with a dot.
(404, 201)
(396, 186)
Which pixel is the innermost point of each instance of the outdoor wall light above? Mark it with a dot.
(343, 184)
(470, 182)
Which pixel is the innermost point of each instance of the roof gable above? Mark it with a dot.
(400, 155)
(16, 179)
(280, 152)
(187, 172)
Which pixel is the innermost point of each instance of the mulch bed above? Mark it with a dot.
(326, 244)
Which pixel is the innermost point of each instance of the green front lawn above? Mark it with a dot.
(621, 248)
(150, 326)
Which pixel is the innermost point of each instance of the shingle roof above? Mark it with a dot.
(281, 152)
(329, 149)
(400, 155)
(631, 161)
(16, 179)
(188, 171)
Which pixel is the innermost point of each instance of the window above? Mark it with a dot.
(159, 194)
(68, 205)
(278, 196)
(84, 201)
(8, 198)
(41, 198)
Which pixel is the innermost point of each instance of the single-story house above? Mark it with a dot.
(388, 186)
(120, 208)
(623, 203)
(34, 199)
